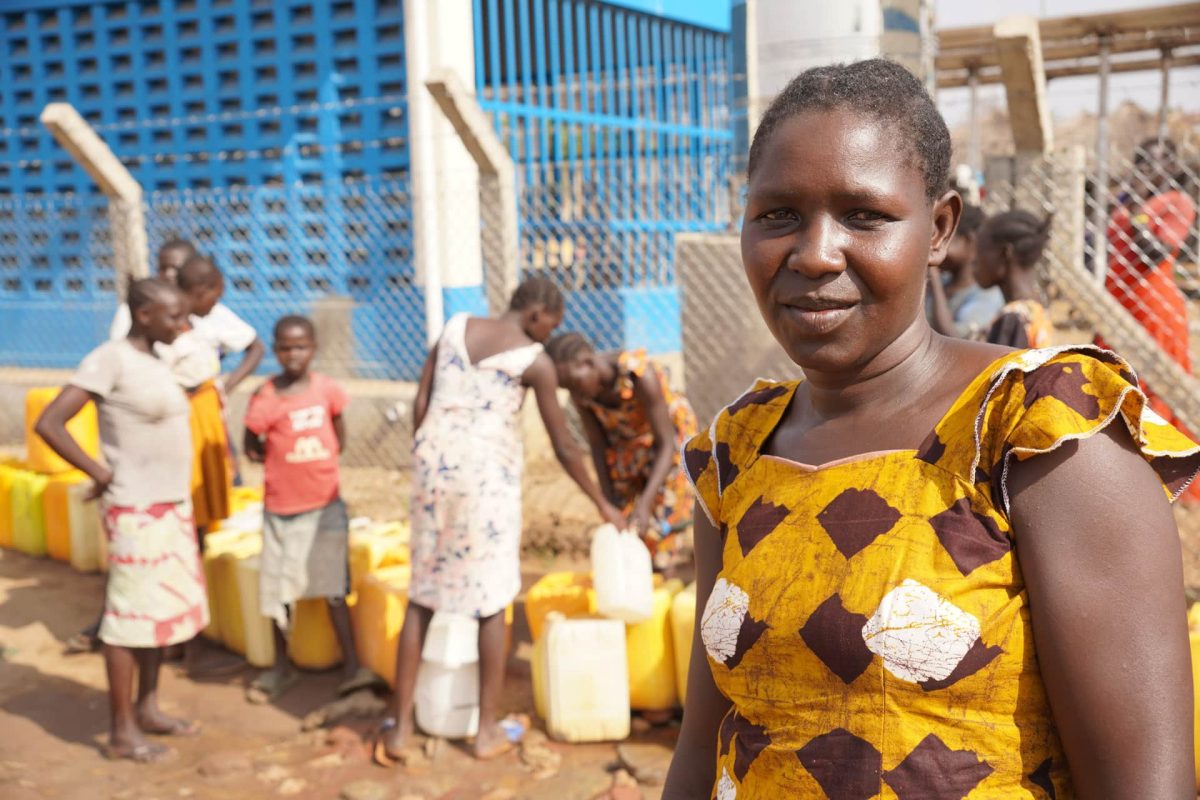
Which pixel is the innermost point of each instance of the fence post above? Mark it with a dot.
(500, 252)
(125, 212)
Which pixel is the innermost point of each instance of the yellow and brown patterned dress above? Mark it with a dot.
(870, 623)
(629, 451)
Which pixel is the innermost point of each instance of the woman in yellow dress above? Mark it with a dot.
(935, 568)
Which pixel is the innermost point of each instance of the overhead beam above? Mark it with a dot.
(993, 75)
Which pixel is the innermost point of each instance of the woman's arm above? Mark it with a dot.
(598, 444)
(251, 358)
(52, 427)
(543, 379)
(424, 389)
(649, 392)
(693, 768)
(1099, 551)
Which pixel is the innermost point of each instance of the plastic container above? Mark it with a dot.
(567, 593)
(584, 682)
(222, 582)
(8, 473)
(29, 512)
(375, 547)
(683, 626)
(84, 427)
(378, 617)
(452, 640)
(1195, 637)
(56, 503)
(230, 608)
(260, 636)
(622, 575)
(312, 643)
(650, 651)
(87, 534)
(447, 699)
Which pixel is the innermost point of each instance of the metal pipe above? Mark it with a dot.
(974, 156)
(1100, 212)
(1165, 97)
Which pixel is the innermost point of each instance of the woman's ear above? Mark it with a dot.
(947, 210)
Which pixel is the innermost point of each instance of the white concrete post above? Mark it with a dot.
(473, 127)
(131, 253)
(438, 34)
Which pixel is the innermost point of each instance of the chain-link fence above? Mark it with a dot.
(343, 253)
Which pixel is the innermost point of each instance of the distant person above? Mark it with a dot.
(635, 424)
(216, 331)
(466, 504)
(1010, 247)
(958, 305)
(155, 594)
(1144, 239)
(294, 428)
(171, 256)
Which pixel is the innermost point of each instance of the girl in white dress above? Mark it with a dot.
(466, 507)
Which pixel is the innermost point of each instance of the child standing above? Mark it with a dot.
(636, 426)
(154, 596)
(466, 509)
(294, 428)
(215, 332)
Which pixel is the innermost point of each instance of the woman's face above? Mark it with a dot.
(539, 324)
(838, 236)
(991, 263)
(581, 376)
(165, 318)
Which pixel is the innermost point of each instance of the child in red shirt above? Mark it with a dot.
(294, 427)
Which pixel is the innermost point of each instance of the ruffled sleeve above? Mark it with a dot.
(1044, 398)
(701, 469)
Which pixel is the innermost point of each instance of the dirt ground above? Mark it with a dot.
(53, 715)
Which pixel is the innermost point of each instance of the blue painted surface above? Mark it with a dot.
(618, 123)
(275, 136)
(706, 13)
(464, 300)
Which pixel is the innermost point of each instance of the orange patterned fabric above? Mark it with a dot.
(630, 442)
(869, 622)
(1023, 324)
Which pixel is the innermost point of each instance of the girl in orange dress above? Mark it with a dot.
(635, 424)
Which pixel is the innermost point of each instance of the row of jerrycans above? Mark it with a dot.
(589, 672)
(47, 515)
(378, 579)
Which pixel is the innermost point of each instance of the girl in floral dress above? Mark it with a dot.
(466, 506)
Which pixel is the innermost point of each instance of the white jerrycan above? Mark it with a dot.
(582, 679)
(447, 694)
(621, 575)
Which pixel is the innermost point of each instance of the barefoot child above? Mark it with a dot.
(933, 567)
(635, 425)
(466, 508)
(154, 595)
(294, 428)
